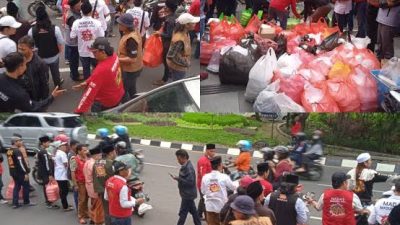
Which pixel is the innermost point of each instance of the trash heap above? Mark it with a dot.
(310, 68)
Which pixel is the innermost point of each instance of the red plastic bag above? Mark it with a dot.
(292, 86)
(253, 25)
(317, 99)
(235, 31)
(10, 190)
(153, 50)
(365, 58)
(218, 30)
(52, 191)
(366, 87)
(319, 27)
(345, 95)
(206, 52)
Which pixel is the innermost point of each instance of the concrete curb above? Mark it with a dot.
(330, 161)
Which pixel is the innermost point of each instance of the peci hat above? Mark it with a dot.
(118, 166)
(363, 157)
(244, 204)
(338, 178)
(9, 21)
(210, 146)
(107, 148)
(255, 189)
(186, 18)
(96, 150)
(126, 20)
(44, 139)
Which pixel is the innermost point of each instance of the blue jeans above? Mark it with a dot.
(361, 10)
(277, 15)
(121, 221)
(20, 183)
(73, 55)
(188, 206)
(177, 75)
(86, 63)
(1, 187)
(76, 200)
(343, 21)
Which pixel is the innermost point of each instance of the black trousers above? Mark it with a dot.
(201, 208)
(45, 182)
(188, 206)
(64, 188)
(372, 26)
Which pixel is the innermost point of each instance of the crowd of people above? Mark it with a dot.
(31, 50)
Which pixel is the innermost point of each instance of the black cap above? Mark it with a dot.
(102, 43)
(107, 148)
(44, 139)
(118, 166)
(73, 2)
(255, 189)
(290, 178)
(210, 146)
(216, 160)
(41, 13)
(338, 178)
(262, 167)
(96, 150)
(12, 9)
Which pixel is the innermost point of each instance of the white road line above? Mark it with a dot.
(161, 165)
(327, 185)
(66, 69)
(315, 218)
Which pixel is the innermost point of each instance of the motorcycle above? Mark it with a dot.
(51, 4)
(236, 175)
(136, 187)
(138, 153)
(314, 171)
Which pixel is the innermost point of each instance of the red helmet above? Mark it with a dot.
(62, 138)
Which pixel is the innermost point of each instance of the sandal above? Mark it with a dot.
(82, 221)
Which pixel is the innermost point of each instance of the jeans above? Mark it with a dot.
(67, 53)
(107, 218)
(76, 197)
(166, 68)
(129, 79)
(188, 206)
(20, 182)
(177, 75)
(202, 27)
(361, 9)
(343, 21)
(73, 55)
(86, 63)
(277, 15)
(1, 187)
(121, 221)
(55, 72)
(63, 185)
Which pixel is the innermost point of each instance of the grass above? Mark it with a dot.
(215, 119)
(181, 134)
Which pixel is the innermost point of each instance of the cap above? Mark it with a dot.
(44, 139)
(255, 189)
(210, 146)
(107, 148)
(290, 178)
(64, 139)
(126, 20)
(15, 138)
(244, 204)
(101, 43)
(245, 181)
(118, 166)
(338, 178)
(73, 2)
(186, 18)
(96, 150)
(363, 157)
(9, 21)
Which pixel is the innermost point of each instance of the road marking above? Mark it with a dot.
(327, 185)
(187, 147)
(349, 163)
(161, 165)
(233, 151)
(145, 142)
(165, 144)
(315, 218)
(382, 167)
(66, 69)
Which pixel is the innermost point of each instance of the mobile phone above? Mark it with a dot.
(170, 174)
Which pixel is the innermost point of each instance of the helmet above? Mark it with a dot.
(121, 145)
(244, 145)
(300, 136)
(102, 132)
(62, 138)
(120, 130)
(280, 149)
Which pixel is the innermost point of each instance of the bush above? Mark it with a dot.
(215, 119)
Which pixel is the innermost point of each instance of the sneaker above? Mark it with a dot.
(30, 204)
(16, 206)
(2, 201)
(70, 208)
(159, 82)
(51, 206)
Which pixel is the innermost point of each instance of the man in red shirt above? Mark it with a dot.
(204, 167)
(78, 180)
(104, 88)
(262, 175)
(277, 11)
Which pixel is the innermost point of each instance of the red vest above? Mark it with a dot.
(113, 188)
(338, 208)
(79, 176)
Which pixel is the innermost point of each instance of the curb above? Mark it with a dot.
(330, 161)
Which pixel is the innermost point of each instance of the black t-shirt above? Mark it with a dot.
(16, 163)
(394, 216)
(13, 97)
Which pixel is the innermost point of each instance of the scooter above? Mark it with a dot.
(236, 175)
(51, 4)
(136, 187)
(314, 171)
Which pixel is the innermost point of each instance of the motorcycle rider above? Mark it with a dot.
(103, 134)
(243, 161)
(45, 166)
(380, 212)
(338, 205)
(299, 148)
(284, 165)
(313, 153)
(122, 132)
(128, 158)
(289, 209)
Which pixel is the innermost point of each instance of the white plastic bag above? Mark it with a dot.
(261, 75)
(213, 65)
(360, 42)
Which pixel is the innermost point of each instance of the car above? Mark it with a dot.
(31, 126)
(179, 96)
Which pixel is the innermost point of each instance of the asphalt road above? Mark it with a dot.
(162, 189)
(69, 101)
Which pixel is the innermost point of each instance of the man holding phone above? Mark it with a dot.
(187, 188)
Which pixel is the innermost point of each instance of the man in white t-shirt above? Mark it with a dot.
(87, 30)
(8, 26)
(101, 11)
(61, 170)
(214, 187)
(138, 13)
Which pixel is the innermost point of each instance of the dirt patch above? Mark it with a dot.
(124, 120)
(242, 131)
(160, 123)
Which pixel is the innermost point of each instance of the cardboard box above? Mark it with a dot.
(267, 31)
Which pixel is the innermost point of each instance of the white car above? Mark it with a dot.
(31, 126)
